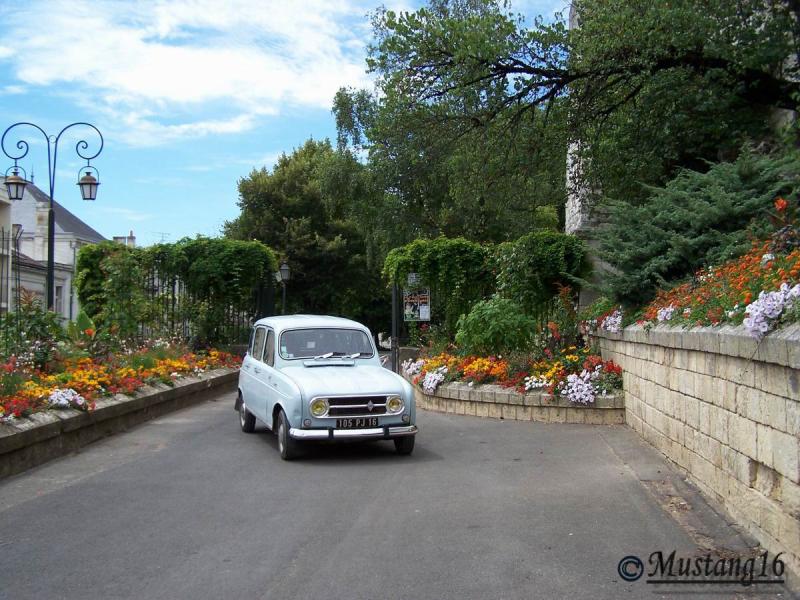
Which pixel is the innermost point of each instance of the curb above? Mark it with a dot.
(43, 436)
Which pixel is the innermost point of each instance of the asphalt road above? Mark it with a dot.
(188, 506)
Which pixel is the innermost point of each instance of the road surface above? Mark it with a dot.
(188, 506)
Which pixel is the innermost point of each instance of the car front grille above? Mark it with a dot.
(357, 406)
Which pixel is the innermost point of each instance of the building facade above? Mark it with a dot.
(28, 222)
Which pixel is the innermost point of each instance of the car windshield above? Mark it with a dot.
(325, 343)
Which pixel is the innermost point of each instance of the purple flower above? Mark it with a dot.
(665, 314)
(762, 314)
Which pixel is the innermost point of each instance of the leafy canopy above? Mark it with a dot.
(307, 208)
(650, 86)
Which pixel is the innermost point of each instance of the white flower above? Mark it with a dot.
(433, 379)
(65, 398)
(766, 258)
(535, 383)
(412, 367)
(613, 322)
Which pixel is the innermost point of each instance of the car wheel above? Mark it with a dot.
(247, 420)
(404, 445)
(287, 445)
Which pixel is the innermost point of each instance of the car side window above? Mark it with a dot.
(250, 343)
(258, 343)
(269, 354)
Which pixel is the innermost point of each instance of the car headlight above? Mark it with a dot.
(319, 407)
(394, 405)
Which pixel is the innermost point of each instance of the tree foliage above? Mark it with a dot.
(697, 219)
(306, 208)
(650, 86)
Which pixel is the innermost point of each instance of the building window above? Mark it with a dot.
(59, 299)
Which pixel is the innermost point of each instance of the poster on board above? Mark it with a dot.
(417, 305)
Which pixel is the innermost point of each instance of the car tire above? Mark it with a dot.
(287, 445)
(247, 420)
(404, 445)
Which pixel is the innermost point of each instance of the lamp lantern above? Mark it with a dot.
(88, 184)
(15, 185)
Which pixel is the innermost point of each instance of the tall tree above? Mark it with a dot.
(652, 86)
(303, 208)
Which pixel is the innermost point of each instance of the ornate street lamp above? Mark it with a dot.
(15, 185)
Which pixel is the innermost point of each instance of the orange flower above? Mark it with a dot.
(781, 204)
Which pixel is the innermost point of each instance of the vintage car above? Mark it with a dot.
(320, 378)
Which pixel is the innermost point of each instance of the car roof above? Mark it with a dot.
(284, 322)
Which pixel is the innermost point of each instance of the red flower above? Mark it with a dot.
(781, 204)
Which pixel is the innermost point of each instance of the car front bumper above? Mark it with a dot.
(375, 433)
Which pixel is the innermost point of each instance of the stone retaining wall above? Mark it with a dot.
(502, 403)
(25, 443)
(726, 410)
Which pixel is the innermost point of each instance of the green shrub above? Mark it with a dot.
(31, 333)
(696, 220)
(494, 326)
(531, 269)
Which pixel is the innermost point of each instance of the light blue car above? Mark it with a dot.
(320, 378)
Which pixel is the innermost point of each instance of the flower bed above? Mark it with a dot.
(575, 374)
(77, 383)
(756, 290)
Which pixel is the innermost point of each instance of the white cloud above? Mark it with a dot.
(13, 90)
(125, 213)
(173, 69)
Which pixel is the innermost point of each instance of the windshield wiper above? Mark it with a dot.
(339, 355)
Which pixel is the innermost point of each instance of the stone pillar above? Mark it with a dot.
(582, 217)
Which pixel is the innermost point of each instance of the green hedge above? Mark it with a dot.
(217, 274)
(461, 273)
(457, 270)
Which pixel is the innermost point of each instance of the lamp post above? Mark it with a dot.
(283, 275)
(15, 185)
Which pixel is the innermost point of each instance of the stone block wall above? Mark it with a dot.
(726, 409)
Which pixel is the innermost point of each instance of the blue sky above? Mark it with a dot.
(190, 96)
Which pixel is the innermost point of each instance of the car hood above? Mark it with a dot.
(344, 381)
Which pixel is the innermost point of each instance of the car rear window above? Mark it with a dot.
(309, 343)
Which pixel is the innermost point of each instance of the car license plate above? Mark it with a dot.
(356, 422)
